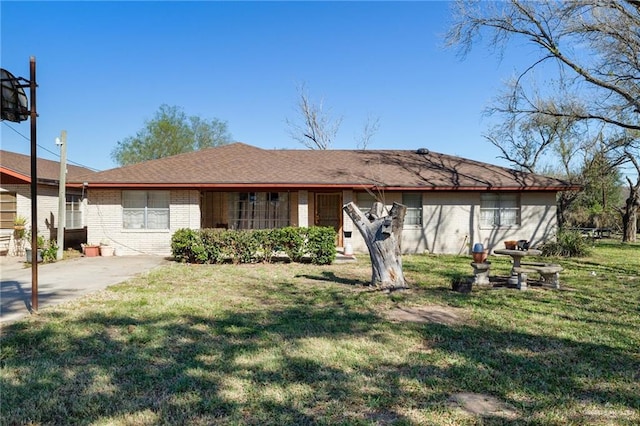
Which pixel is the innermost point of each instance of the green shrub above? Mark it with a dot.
(49, 251)
(321, 245)
(567, 244)
(240, 246)
(211, 250)
(185, 243)
(243, 246)
(289, 240)
(266, 245)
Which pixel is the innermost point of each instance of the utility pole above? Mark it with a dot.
(62, 195)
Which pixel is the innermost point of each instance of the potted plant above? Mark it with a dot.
(29, 251)
(510, 244)
(19, 227)
(19, 234)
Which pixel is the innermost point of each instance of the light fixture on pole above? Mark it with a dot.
(62, 194)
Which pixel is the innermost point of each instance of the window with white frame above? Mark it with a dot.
(145, 209)
(258, 210)
(499, 210)
(413, 201)
(73, 213)
(8, 209)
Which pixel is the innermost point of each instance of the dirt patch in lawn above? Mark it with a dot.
(430, 313)
(477, 404)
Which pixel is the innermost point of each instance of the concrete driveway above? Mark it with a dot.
(63, 281)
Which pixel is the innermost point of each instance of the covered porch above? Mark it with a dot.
(268, 209)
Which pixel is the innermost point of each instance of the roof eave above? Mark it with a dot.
(15, 174)
(302, 186)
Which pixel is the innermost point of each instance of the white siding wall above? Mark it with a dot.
(451, 223)
(104, 222)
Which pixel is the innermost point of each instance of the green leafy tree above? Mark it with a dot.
(170, 132)
(596, 205)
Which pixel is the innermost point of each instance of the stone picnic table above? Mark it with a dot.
(517, 256)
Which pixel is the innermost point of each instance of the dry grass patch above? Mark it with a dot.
(432, 313)
(479, 405)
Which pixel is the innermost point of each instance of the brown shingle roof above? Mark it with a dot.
(19, 166)
(240, 165)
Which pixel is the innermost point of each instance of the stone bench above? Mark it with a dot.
(549, 273)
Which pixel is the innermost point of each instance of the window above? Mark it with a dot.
(499, 210)
(365, 201)
(413, 201)
(73, 214)
(145, 209)
(8, 209)
(258, 210)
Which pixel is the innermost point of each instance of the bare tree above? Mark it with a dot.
(595, 46)
(369, 129)
(525, 141)
(316, 128)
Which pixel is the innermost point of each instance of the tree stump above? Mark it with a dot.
(383, 235)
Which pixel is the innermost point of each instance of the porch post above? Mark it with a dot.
(303, 209)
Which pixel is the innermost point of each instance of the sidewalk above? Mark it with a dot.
(63, 281)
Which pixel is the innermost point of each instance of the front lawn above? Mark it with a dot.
(301, 344)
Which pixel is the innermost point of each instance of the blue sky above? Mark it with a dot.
(103, 68)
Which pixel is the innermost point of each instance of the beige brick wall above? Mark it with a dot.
(451, 222)
(104, 222)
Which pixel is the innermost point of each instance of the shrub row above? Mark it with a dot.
(315, 245)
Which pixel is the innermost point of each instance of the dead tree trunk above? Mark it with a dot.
(383, 234)
(630, 212)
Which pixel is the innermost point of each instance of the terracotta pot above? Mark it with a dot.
(480, 256)
(510, 244)
(91, 251)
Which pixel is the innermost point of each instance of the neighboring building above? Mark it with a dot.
(15, 197)
(452, 202)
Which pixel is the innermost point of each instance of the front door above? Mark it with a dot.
(328, 212)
